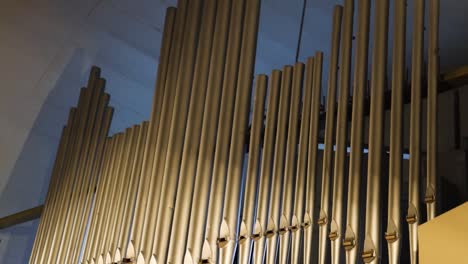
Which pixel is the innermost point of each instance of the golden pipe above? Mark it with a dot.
(201, 189)
(56, 234)
(55, 181)
(336, 224)
(98, 200)
(393, 232)
(177, 134)
(89, 192)
(323, 220)
(415, 128)
(98, 131)
(239, 130)
(224, 131)
(259, 227)
(371, 253)
(273, 224)
(208, 78)
(120, 198)
(248, 213)
(56, 212)
(168, 57)
(316, 82)
(59, 252)
(97, 246)
(433, 81)
(352, 234)
(170, 99)
(134, 174)
(301, 171)
(285, 222)
(112, 201)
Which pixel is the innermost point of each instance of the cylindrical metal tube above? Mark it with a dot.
(336, 224)
(197, 214)
(312, 159)
(415, 128)
(396, 132)
(323, 219)
(433, 81)
(169, 60)
(355, 159)
(173, 152)
(259, 227)
(239, 129)
(301, 168)
(272, 226)
(249, 210)
(221, 156)
(371, 252)
(285, 222)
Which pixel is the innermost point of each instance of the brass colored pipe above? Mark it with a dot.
(433, 81)
(352, 234)
(396, 133)
(173, 151)
(312, 158)
(371, 252)
(196, 226)
(273, 224)
(336, 224)
(226, 111)
(98, 201)
(323, 220)
(415, 128)
(135, 175)
(169, 61)
(65, 232)
(163, 134)
(290, 164)
(301, 171)
(239, 129)
(248, 212)
(259, 227)
(56, 234)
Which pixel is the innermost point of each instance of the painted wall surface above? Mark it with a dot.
(48, 46)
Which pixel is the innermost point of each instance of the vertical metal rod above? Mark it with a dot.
(415, 128)
(239, 130)
(98, 132)
(259, 227)
(272, 226)
(173, 151)
(312, 161)
(285, 221)
(135, 176)
(172, 89)
(433, 81)
(223, 56)
(168, 62)
(98, 203)
(221, 156)
(323, 220)
(297, 219)
(393, 232)
(371, 252)
(336, 224)
(90, 191)
(248, 211)
(355, 165)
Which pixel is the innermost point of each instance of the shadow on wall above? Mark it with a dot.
(28, 183)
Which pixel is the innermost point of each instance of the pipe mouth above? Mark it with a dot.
(429, 199)
(322, 221)
(333, 235)
(127, 260)
(242, 239)
(411, 219)
(391, 237)
(294, 228)
(368, 256)
(306, 225)
(349, 243)
(283, 230)
(269, 233)
(222, 242)
(256, 237)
